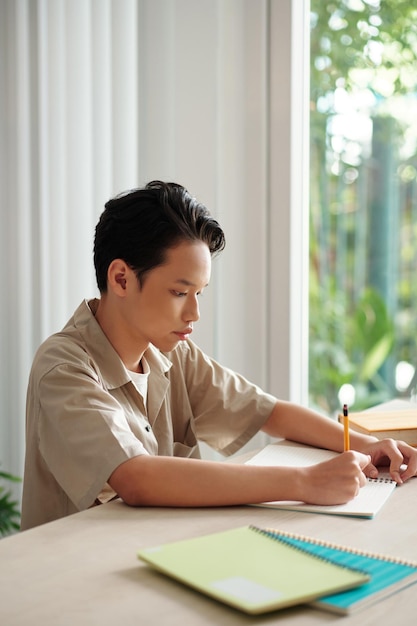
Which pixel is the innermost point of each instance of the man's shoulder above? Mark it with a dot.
(60, 348)
(75, 344)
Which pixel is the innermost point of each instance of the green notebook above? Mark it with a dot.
(387, 574)
(251, 570)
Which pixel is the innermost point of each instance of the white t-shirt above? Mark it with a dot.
(141, 380)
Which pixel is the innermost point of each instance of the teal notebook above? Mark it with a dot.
(387, 574)
(251, 570)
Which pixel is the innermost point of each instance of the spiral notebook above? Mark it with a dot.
(252, 570)
(367, 503)
(387, 575)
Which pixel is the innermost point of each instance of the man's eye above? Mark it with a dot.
(179, 294)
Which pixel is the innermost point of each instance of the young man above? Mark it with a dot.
(118, 400)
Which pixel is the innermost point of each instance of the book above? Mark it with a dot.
(251, 570)
(399, 424)
(387, 574)
(366, 504)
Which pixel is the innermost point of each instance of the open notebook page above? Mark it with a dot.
(289, 454)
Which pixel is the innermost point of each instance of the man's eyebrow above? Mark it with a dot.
(187, 283)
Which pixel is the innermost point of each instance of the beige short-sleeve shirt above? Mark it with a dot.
(85, 416)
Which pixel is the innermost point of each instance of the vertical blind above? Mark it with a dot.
(99, 96)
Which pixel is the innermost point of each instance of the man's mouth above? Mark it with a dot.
(184, 334)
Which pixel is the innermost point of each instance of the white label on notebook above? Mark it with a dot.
(247, 590)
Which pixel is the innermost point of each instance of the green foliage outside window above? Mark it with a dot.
(363, 197)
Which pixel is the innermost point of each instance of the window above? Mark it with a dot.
(363, 202)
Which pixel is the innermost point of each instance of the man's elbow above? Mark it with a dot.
(131, 483)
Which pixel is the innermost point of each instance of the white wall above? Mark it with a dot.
(99, 96)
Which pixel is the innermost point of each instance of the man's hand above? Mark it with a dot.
(336, 481)
(397, 456)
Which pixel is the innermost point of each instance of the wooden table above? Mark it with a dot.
(82, 570)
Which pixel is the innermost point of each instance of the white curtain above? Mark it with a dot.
(99, 96)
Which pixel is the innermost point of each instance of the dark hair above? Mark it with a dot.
(139, 226)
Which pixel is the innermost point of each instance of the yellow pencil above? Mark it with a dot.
(346, 438)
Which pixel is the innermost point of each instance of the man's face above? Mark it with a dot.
(162, 311)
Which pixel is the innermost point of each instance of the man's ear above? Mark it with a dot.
(117, 276)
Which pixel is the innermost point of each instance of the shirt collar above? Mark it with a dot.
(112, 369)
